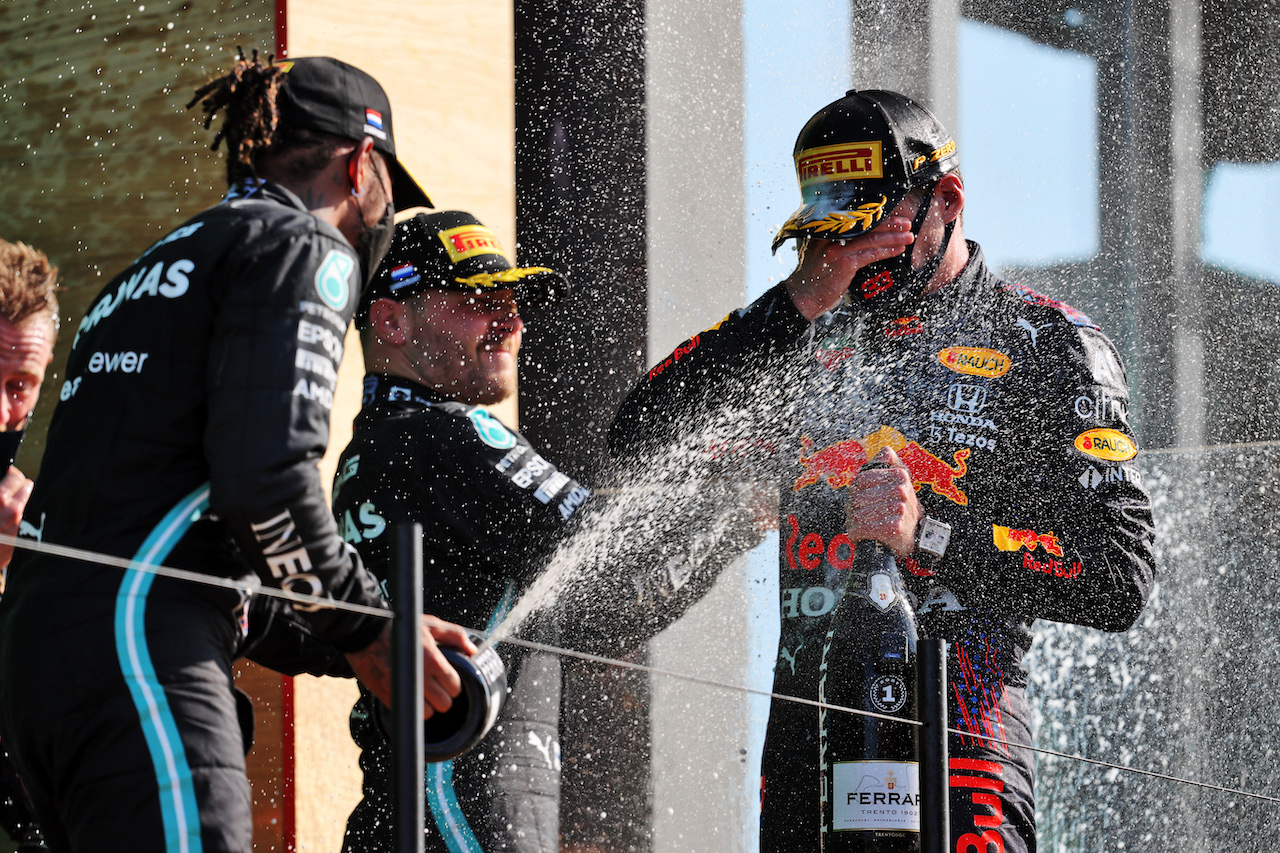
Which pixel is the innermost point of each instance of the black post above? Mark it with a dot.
(931, 688)
(406, 687)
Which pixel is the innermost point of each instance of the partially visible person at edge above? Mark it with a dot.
(28, 328)
(1001, 412)
(193, 412)
(441, 330)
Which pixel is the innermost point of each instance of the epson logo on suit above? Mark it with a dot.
(313, 333)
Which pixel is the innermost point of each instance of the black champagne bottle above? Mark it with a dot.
(870, 772)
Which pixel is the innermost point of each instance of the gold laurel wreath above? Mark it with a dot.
(485, 279)
(839, 222)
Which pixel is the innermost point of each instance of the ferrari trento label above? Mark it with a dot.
(875, 795)
(846, 162)
(1108, 444)
(467, 241)
(975, 361)
(880, 591)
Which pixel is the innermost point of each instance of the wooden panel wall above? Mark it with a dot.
(99, 157)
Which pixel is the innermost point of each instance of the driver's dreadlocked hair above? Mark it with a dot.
(246, 95)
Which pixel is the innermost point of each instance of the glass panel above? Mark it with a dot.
(1241, 219)
(1031, 172)
(1178, 694)
(792, 69)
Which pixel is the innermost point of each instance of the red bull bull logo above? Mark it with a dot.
(840, 463)
(837, 463)
(1007, 539)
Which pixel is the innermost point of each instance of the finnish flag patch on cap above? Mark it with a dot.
(403, 276)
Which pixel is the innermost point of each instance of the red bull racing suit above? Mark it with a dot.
(1011, 412)
(194, 409)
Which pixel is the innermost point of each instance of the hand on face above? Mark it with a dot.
(882, 506)
(827, 266)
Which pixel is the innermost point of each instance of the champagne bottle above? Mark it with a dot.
(870, 773)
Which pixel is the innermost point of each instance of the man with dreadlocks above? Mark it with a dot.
(194, 409)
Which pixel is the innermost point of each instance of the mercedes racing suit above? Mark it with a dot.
(1010, 411)
(194, 409)
(491, 509)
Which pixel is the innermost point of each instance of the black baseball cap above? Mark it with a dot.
(328, 95)
(452, 250)
(858, 157)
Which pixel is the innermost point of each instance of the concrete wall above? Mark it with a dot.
(703, 785)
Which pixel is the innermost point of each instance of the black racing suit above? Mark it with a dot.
(1011, 412)
(194, 410)
(491, 508)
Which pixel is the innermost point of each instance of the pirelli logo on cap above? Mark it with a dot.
(467, 241)
(848, 162)
(934, 156)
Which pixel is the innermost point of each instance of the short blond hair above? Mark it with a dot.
(28, 283)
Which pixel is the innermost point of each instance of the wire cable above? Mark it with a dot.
(796, 699)
(255, 586)
(252, 586)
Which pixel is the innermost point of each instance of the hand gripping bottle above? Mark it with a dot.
(870, 773)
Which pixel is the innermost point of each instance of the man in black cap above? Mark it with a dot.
(194, 409)
(1010, 492)
(441, 331)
